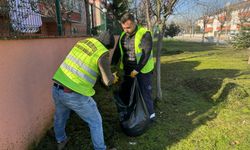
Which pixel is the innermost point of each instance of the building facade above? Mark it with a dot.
(228, 21)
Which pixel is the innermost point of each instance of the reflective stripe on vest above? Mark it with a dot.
(82, 65)
(138, 51)
(79, 70)
(77, 73)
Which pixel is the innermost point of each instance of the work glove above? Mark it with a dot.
(116, 78)
(133, 73)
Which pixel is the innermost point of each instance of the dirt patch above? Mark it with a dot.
(172, 52)
(233, 91)
(206, 87)
(202, 84)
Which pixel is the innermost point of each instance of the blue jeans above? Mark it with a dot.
(145, 82)
(85, 107)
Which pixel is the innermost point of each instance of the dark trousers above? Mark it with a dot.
(145, 83)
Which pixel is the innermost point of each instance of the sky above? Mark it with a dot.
(194, 8)
(186, 9)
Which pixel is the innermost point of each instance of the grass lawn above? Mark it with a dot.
(205, 105)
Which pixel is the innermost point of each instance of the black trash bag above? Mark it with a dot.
(134, 117)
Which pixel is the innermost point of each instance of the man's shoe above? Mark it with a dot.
(152, 118)
(62, 144)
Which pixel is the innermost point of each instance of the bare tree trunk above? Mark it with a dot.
(158, 66)
(218, 39)
(190, 32)
(162, 26)
(204, 27)
(226, 34)
(203, 36)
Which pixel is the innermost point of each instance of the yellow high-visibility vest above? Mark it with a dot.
(138, 51)
(79, 70)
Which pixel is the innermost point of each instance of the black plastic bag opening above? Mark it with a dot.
(134, 117)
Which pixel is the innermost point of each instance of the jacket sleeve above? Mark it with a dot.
(146, 46)
(105, 69)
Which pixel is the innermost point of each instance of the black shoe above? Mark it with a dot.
(62, 144)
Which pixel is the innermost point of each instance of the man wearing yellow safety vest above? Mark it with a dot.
(73, 86)
(136, 59)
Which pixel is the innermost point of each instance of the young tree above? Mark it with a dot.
(189, 19)
(223, 16)
(207, 10)
(205, 20)
(158, 12)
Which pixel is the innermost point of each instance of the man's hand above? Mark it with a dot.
(116, 78)
(133, 73)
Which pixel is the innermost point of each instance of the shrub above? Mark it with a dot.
(172, 30)
(241, 40)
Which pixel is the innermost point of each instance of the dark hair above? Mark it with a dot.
(127, 16)
(107, 39)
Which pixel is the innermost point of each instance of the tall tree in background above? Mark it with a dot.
(223, 17)
(207, 11)
(157, 14)
(205, 20)
(206, 17)
(189, 20)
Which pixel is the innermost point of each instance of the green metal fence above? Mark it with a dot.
(46, 18)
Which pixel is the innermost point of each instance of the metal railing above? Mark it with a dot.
(46, 18)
